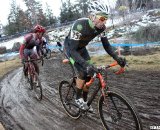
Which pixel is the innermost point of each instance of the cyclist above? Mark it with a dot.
(44, 45)
(31, 45)
(81, 33)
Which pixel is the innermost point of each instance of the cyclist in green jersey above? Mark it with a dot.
(81, 33)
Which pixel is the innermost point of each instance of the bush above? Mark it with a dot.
(16, 46)
(150, 33)
(3, 50)
(126, 50)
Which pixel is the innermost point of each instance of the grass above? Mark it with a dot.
(151, 62)
(7, 66)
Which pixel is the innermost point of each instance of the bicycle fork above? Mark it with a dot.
(113, 116)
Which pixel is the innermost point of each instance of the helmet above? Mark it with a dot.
(99, 8)
(39, 28)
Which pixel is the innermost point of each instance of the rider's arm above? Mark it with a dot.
(108, 47)
(23, 45)
(21, 49)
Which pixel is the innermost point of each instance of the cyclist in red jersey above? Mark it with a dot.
(31, 46)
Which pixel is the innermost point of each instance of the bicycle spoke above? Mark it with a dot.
(67, 96)
(117, 114)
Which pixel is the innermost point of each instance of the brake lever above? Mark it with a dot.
(120, 71)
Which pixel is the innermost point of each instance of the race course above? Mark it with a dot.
(19, 110)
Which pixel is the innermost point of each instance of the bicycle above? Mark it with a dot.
(115, 110)
(33, 78)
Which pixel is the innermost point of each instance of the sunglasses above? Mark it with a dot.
(101, 18)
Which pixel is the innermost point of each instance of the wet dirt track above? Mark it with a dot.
(20, 110)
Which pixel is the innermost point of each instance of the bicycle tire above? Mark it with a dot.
(118, 118)
(38, 88)
(42, 60)
(30, 80)
(48, 54)
(67, 96)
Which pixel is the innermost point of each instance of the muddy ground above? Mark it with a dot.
(19, 110)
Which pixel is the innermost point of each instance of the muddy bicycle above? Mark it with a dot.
(33, 77)
(116, 111)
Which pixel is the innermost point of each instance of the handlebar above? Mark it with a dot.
(120, 71)
(30, 60)
(100, 69)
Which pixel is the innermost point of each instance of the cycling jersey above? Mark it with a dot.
(30, 40)
(81, 33)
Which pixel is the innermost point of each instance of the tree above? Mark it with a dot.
(35, 12)
(20, 21)
(69, 12)
(83, 7)
(123, 11)
(49, 15)
(11, 28)
(23, 23)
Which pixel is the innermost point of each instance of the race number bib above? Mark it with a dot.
(75, 35)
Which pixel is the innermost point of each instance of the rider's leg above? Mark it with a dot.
(86, 89)
(79, 88)
(85, 94)
(80, 81)
(82, 74)
(34, 55)
(36, 67)
(84, 53)
(26, 55)
(79, 84)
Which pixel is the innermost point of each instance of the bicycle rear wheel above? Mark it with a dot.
(117, 112)
(67, 96)
(37, 88)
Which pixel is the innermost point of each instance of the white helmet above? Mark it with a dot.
(99, 8)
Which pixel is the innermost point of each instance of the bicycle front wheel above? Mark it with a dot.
(37, 88)
(118, 113)
(30, 80)
(67, 95)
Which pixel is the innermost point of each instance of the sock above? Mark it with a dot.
(85, 95)
(79, 93)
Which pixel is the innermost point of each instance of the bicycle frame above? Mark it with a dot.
(31, 68)
(113, 106)
(34, 79)
(102, 83)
